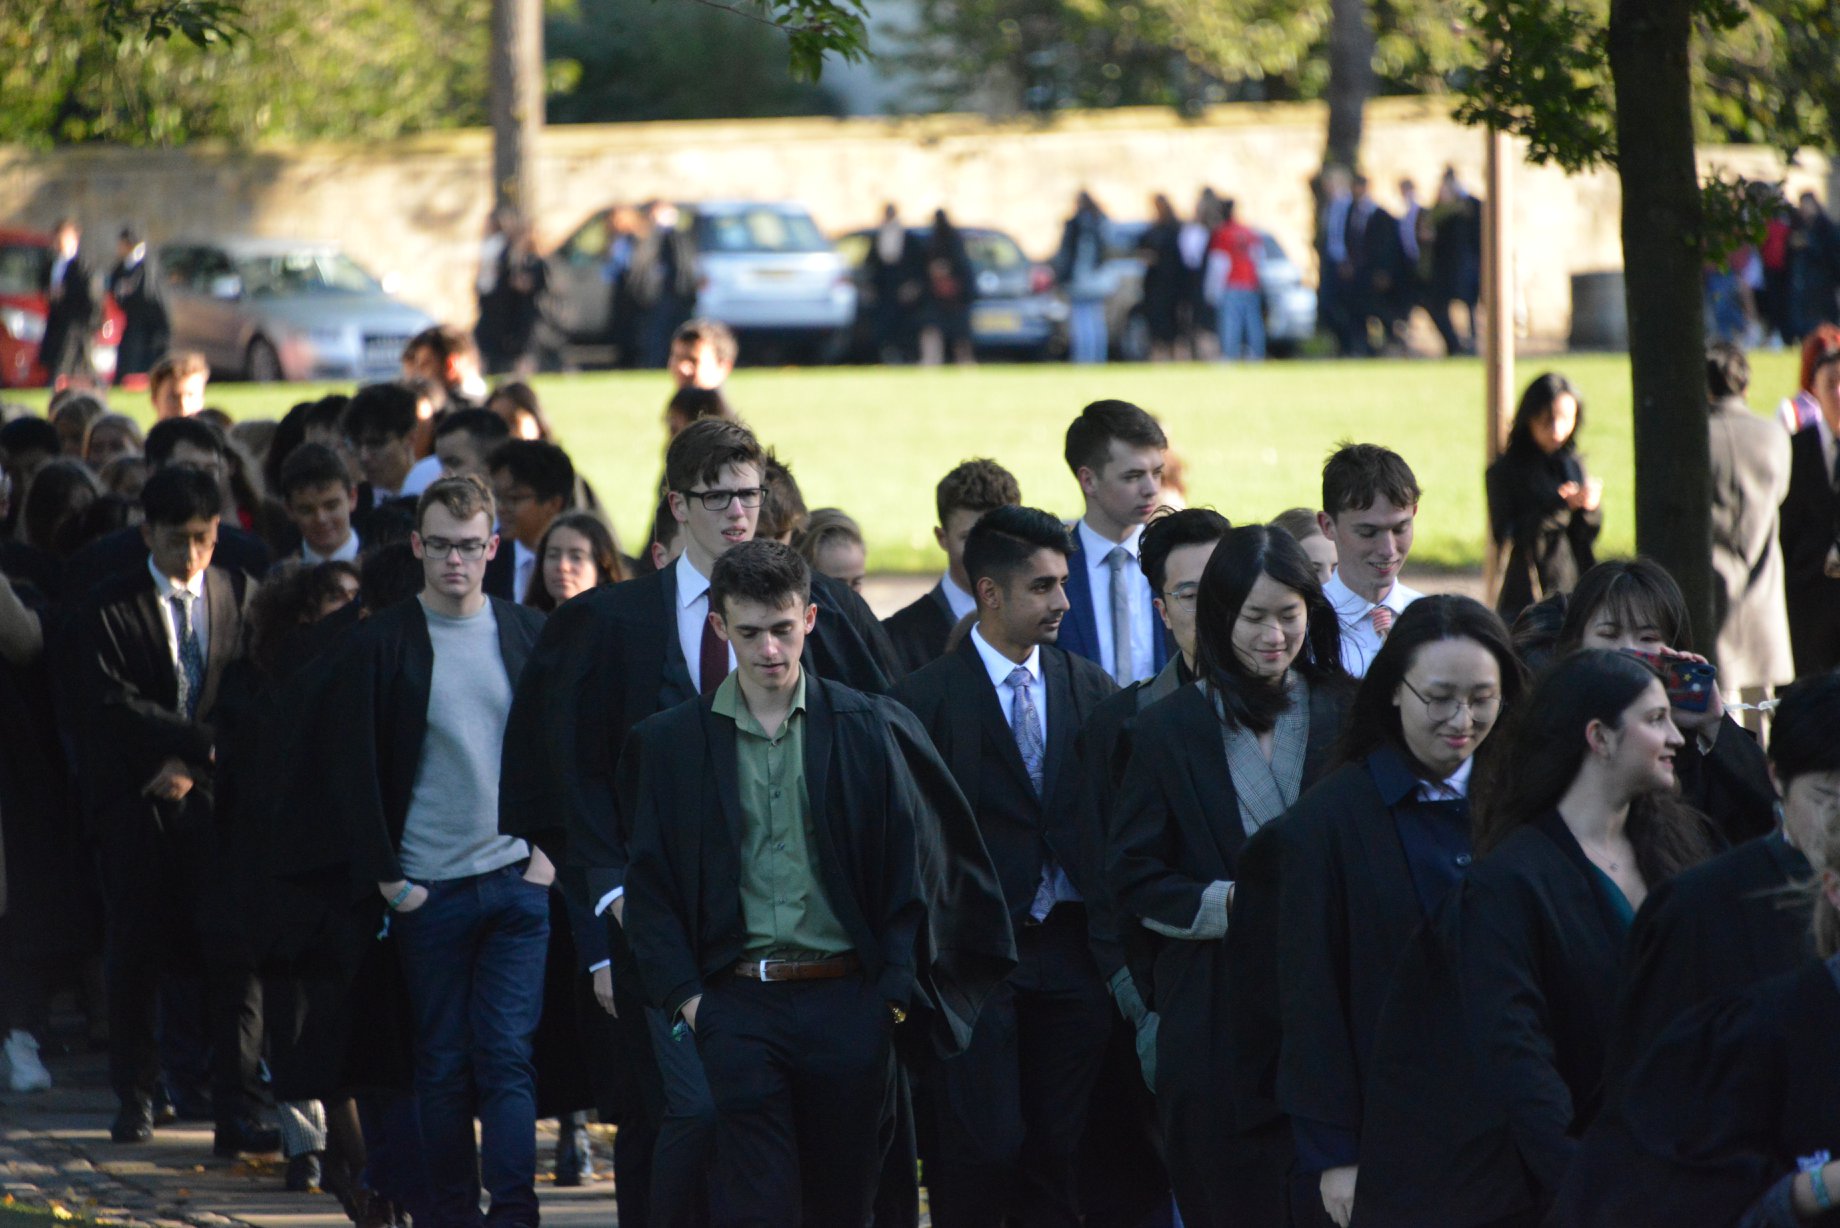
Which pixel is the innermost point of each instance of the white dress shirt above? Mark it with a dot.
(524, 562)
(345, 553)
(1360, 640)
(201, 615)
(958, 600)
(692, 613)
(57, 273)
(1143, 617)
(421, 476)
(999, 668)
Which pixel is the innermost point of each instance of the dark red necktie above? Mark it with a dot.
(712, 659)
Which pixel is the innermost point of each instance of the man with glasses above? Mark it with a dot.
(533, 483)
(1124, 1176)
(379, 425)
(176, 441)
(426, 687)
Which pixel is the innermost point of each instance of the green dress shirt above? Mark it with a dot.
(782, 900)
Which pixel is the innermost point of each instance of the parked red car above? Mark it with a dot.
(25, 258)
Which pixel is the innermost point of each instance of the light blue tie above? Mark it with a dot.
(1025, 723)
(191, 656)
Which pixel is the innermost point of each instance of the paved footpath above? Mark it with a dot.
(55, 1150)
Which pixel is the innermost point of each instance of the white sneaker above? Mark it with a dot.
(26, 1073)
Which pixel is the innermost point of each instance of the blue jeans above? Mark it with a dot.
(473, 956)
(1086, 330)
(1242, 321)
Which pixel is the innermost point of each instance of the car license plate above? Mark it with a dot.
(997, 322)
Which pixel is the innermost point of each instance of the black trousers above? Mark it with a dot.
(170, 908)
(803, 1078)
(1010, 1110)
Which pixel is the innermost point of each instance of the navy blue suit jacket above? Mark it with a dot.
(1080, 628)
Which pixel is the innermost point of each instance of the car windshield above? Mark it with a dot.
(308, 272)
(758, 230)
(22, 268)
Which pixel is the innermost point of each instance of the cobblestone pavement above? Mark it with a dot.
(55, 1151)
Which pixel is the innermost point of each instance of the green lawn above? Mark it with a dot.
(875, 440)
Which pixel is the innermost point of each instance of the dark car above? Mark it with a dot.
(25, 259)
(1014, 311)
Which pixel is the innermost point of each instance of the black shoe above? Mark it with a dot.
(303, 1173)
(235, 1138)
(133, 1123)
(191, 1104)
(163, 1112)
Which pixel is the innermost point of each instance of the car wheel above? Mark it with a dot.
(263, 364)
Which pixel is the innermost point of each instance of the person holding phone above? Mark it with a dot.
(1543, 507)
(1634, 604)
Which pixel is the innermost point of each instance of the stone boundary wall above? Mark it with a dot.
(415, 207)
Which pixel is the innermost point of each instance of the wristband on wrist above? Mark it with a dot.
(402, 895)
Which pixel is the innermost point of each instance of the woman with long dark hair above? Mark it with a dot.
(576, 553)
(1542, 505)
(1635, 604)
(1367, 857)
(1489, 1057)
(1212, 766)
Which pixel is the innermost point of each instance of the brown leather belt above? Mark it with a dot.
(798, 969)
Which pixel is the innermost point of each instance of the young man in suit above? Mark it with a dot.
(465, 438)
(534, 483)
(159, 640)
(73, 306)
(379, 426)
(606, 662)
(177, 441)
(919, 631)
(1003, 710)
(1370, 499)
(425, 687)
(1115, 451)
(319, 495)
(777, 900)
(1810, 528)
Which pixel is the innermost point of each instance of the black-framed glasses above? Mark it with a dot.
(471, 549)
(718, 500)
(1482, 708)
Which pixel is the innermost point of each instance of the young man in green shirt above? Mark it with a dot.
(775, 902)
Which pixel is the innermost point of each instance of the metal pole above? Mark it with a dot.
(1498, 308)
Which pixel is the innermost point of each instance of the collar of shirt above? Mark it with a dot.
(692, 585)
(730, 702)
(958, 600)
(1096, 547)
(1352, 608)
(346, 552)
(999, 666)
(166, 588)
(1395, 780)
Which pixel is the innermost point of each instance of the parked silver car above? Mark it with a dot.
(1290, 306)
(763, 268)
(274, 309)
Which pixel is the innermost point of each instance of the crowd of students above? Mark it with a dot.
(1146, 870)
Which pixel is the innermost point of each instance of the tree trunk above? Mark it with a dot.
(517, 102)
(1351, 80)
(1650, 42)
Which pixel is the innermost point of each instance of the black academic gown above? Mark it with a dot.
(1348, 907)
(897, 852)
(919, 631)
(1731, 786)
(125, 549)
(1178, 830)
(1808, 527)
(1718, 928)
(1488, 1060)
(1734, 1094)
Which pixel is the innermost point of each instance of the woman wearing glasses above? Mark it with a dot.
(1367, 856)
(1210, 767)
(1488, 1059)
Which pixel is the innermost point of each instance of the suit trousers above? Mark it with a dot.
(803, 1078)
(163, 876)
(686, 1129)
(1010, 1110)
